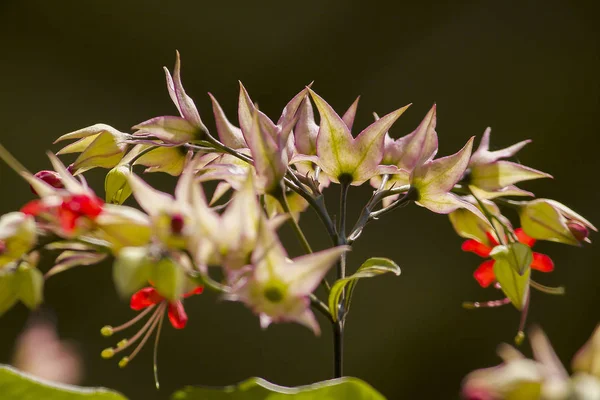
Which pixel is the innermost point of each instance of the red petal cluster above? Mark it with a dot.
(69, 211)
(484, 274)
(149, 296)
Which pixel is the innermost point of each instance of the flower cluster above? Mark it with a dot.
(544, 377)
(265, 172)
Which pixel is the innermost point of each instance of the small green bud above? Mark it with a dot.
(124, 361)
(116, 185)
(122, 344)
(106, 331)
(107, 353)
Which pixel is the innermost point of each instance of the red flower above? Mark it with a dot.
(485, 273)
(149, 296)
(68, 212)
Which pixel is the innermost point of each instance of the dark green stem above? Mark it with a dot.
(338, 349)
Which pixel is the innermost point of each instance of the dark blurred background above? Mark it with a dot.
(528, 69)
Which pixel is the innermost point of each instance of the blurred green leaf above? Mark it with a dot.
(15, 385)
(372, 267)
(259, 389)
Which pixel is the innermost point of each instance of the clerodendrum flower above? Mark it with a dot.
(227, 239)
(490, 173)
(67, 210)
(171, 129)
(277, 289)
(148, 299)
(172, 217)
(343, 157)
(411, 150)
(544, 377)
(100, 145)
(484, 274)
(433, 180)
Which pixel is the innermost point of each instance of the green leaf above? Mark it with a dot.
(259, 389)
(372, 267)
(30, 282)
(514, 285)
(15, 385)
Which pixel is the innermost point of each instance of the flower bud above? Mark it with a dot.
(547, 219)
(578, 230)
(51, 178)
(17, 236)
(116, 185)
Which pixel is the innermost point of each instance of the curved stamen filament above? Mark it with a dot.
(139, 334)
(133, 321)
(155, 356)
(155, 320)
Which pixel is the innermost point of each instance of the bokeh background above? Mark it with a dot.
(528, 69)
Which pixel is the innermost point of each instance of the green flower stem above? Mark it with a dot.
(281, 197)
(298, 230)
(338, 327)
(321, 307)
(207, 281)
(463, 190)
(491, 217)
(344, 185)
(368, 214)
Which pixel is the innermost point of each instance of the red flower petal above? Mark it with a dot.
(145, 298)
(198, 290)
(492, 239)
(33, 208)
(542, 262)
(476, 247)
(177, 315)
(68, 219)
(484, 274)
(524, 238)
(84, 205)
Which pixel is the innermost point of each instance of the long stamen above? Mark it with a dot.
(123, 344)
(485, 304)
(547, 289)
(155, 321)
(155, 357)
(109, 330)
